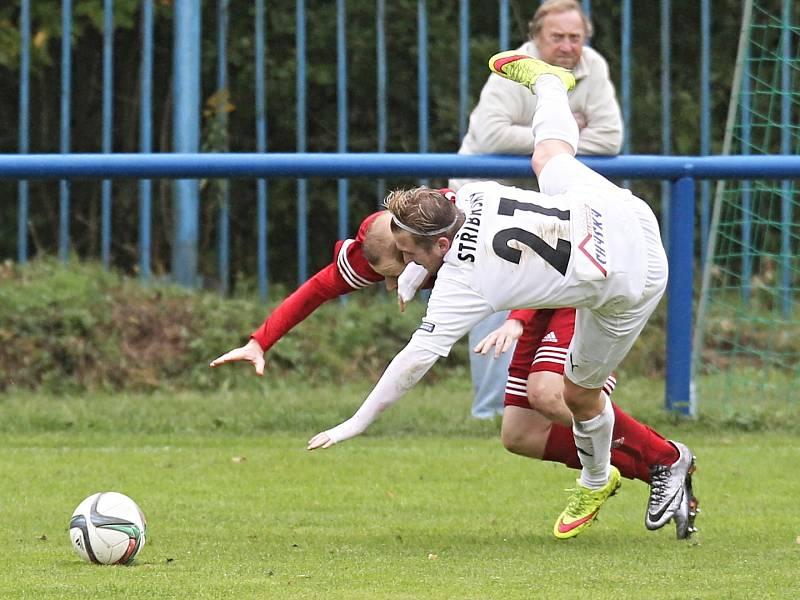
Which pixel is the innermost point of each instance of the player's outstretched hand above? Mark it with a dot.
(501, 338)
(251, 352)
(321, 440)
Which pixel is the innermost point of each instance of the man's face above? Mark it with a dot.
(390, 267)
(430, 258)
(560, 41)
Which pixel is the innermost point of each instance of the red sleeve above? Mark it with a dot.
(349, 271)
(525, 315)
(448, 193)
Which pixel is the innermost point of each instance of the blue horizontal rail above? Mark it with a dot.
(338, 165)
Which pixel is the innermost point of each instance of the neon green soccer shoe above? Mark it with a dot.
(526, 70)
(584, 504)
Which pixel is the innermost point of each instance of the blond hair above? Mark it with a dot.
(379, 246)
(550, 7)
(423, 212)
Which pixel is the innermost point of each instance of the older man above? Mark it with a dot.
(500, 124)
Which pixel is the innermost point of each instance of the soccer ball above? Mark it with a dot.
(108, 528)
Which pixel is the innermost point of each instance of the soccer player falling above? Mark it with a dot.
(582, 242)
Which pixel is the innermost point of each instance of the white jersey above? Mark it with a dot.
(522, 249)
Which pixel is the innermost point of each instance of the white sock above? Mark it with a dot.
(593, 439)
(553, 119)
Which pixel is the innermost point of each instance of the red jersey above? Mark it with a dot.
(348, 271)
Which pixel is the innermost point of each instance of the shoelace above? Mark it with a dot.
(577, 500)
(659, 476)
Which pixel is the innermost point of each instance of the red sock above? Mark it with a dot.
(634, 447)
(560, 447)
(639, 441)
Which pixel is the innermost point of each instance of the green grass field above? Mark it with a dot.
(427, 505)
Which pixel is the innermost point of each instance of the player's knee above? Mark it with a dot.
(572, 401)
(514, 440)
(582, 402)
(546, 396)
(539, 159)
(544, 399)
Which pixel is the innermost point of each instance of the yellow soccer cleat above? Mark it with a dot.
(526, 70)
(584, 504)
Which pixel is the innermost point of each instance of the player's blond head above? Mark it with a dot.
(550, 7)
(424, 213)
(380, 249)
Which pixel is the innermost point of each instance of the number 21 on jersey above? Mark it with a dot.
(557, 257)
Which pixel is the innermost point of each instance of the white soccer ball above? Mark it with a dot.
(108, 528)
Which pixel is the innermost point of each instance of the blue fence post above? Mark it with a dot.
(680, 292)
(186, 137)
(341, 108)
(380, 59)
(222, 123)
(24, 120)
(705, 122)
(146, 137)
(504, 25)
(625, 61)
(261, 148)
(341, 114)
(302, 184)
(66, 90)
(108, 121)
(666, 116)
(422, 77)
(463, 68)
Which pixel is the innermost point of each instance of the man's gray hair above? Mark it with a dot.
(550, 7)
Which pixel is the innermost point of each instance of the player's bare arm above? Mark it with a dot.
(403, 373)
(251, 352)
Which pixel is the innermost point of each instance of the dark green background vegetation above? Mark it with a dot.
(322, 135)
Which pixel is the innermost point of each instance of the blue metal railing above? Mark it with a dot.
(186, 89)
(682, 171)
(373, 165)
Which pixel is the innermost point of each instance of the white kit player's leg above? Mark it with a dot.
(593, 439)
(553, 119)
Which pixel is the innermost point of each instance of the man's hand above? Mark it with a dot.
(580, 118)
(501, 338)
(321, 440)
(251, 352)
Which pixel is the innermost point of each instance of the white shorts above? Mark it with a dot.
(603, 339)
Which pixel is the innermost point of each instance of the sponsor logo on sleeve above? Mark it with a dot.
(427, 326)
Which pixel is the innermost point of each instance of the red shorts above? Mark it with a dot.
(542, 347)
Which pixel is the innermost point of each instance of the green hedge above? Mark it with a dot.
(78, 327)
